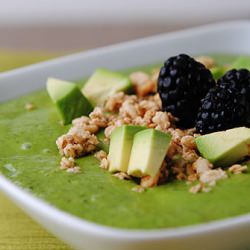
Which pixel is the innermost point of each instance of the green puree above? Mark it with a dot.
(29, 157)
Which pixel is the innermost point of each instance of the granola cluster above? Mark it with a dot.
(182, 161)
(206, 176)
(144, 84)
(102, 156)
(207, 61)
(131, 109)
(69, 165)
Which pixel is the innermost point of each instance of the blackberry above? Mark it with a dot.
(223, 107)
(239, 79)
(182, 83)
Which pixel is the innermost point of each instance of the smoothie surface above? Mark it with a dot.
(29, 158)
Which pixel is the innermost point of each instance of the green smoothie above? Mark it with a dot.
(29, 158)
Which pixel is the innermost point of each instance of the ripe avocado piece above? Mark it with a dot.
(69, 100)
(102, 84)
(102, 145)
(148, 152)
(120, 147)
(225, 147)
(242, 62)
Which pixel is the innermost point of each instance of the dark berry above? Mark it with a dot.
(239, 79)
(223, 107)
(182, 83)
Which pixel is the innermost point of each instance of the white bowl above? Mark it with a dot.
(232, 233)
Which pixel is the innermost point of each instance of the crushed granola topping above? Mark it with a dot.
(188, 142)
(101, 155)
(138, 78)
(202, 165)
(207, 61)
(26, 146)
(85, 124)
(138, 189)
(108, 131)
(29, 106)
(76, 142)
(129, 108)
(149, 87)
(206, 189)
(143, 83)
(212, 176)
(68, 164)
(177, 134)
(74, 170)
(174, 149)
(161, 121)
(200, 187)
(181, 176)
(149, 181)
(104, 163)
(155, 75)
(145, 105)
(189, 156)
(238, 169)
(122, 176)
(192, 177)
(196, 188)
(98, 118)
(182, 160)
(115, 102)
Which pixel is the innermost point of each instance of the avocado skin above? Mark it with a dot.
(102, 145)
(68, 98)
(74, 105)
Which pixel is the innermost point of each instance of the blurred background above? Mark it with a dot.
(32, 31)
(72, 25)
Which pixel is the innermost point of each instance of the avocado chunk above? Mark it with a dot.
(102, 145)
(225, 147)
(69, 100)
(120, 147)
(242, 62)
(148, 152)
(104, 83)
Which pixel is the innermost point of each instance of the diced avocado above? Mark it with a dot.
(226, 147)
(242, 62)
(102, 84)
(69, 100)
(102, 145)
(120, 147)
(218, 71)
(148, 152)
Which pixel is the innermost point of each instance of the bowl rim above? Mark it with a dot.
(21, 196)
(71, 221)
